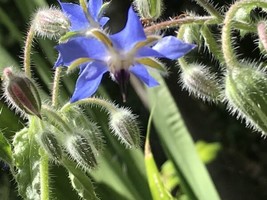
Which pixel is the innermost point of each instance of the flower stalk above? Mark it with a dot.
(210, 9)
(27, 52)
(44, 175)
(56, 83)
(228, 51)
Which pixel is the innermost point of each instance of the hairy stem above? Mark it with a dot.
(44, 175)
(229, 55)
(210, 9)
(54, 118)
(182, 62)
(55, 90)
(93, 101)
(27, 52)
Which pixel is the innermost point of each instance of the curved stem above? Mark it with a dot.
(94, 101)
(27, 52)
(212, 44)
(228, 52)
(44, 175)
(182, 62)
(55, 119)
(55, 90)
(210, 9)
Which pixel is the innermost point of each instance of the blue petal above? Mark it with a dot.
(173, 48)
(76, 16)
(148, 52)
(94, 8)
(141, 72)
(80, 48)
(132, 33)
(88, 81)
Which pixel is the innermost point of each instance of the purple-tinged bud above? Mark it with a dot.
(21, 93)
(200, 82)
(124, 125)
(80, 149)
(51, 145)
(50, 23)
(261, 28)
(245, 94)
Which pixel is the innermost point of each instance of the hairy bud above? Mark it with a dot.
(200, 82)
(51, 145)
(245, 93)
(124, 126)
(81, 150)
(21, 93)
(50, 23)
(149, 9)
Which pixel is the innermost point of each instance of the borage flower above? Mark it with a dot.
(84, 18)
(126, 52)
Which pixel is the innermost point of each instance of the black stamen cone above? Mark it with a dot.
(122, 77)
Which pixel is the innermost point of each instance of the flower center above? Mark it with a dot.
(119, 61)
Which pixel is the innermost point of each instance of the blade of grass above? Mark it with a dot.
(179, 146)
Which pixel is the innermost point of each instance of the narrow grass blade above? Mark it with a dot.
(179, 145)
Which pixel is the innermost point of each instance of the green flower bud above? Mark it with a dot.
(80, 149)
(245, 93)
(200, 82)
(192, 34)
(124, 125)
(21, 93)
(50, 23)
(243, 15)
(51, 145)
(149, 9)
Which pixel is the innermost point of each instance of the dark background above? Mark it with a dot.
(239, 171)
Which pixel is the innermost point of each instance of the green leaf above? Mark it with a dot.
(27, 161)
(5, 149)
(169, 175)
(207, 151)
(179, 146)
(111, 173)
(157, 188)
(80, 181)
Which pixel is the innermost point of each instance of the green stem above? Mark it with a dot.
(55, 90)
(210, 9)
(228, 51)
(212, 44)
(27, 52)
(94, 101)
(182, 62)
(55, 119)
(44, 175)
